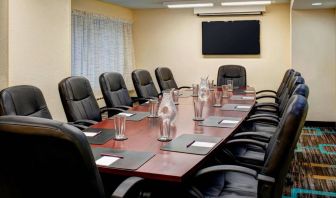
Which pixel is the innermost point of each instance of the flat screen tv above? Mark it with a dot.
(231, 37)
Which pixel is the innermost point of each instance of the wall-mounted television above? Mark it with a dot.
(231, 37)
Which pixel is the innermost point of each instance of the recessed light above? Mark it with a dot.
(188, 4)
(317, 4)
(243, 3)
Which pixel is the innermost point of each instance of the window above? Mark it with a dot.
(101, 44)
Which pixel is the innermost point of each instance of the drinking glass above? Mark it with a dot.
(195, 90)
(153, 108)
(230, 84)
(218, 98)
(198, 109)
(225, 89)
(119, 123)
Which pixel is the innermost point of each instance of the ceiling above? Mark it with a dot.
(307, 4)
(141, 4)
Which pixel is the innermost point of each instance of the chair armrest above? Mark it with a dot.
(126, 186)
(184, 87)
(124, 107)
(266, 90)
(84, 122)
(253, 134)
(263, 145)
(112, 109)
(268, 120)
(265, 115)
(267, 96)
(79, 126)
(265, 178)
(266, 104)
(223, 168)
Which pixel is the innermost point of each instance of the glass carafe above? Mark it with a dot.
(204, 90)
(167, 114)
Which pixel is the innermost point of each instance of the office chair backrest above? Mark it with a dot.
(281, 147)
(301, 89)
(78, 100)
(24, 100)
(165, 78)
(284, 81)
(236, 73)
(114, 90)
(143, 84)
(46, 158)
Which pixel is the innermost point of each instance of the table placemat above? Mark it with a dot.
(103, 135)
(236, 107)
(242, 97)
(220, 122)
(137, 115)
(192, 143)
(129, 160)
(248, 90)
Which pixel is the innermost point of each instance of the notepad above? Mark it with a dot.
(126, 114)
(229, 122)
(106, 160)
(243, 107)
(247, 97)
(91, 134)
(204, 144)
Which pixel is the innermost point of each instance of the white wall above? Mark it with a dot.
(314, 55)
(39, 47)
(172, 38)
(3, 43)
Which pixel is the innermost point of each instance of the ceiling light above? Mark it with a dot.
(317, 4)
(243, 3)
(187, 5)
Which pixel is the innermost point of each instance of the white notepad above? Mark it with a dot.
(126, 114)
(248, 97)
(229, 122)
(204, 144)
(91, 134)
(106, 160)
(243, 107)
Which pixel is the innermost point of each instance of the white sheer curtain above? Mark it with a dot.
(101, 44)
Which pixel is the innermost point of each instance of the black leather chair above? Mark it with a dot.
(165, 79)
(236, 73)
(237, 181)
(114, 90)
(79, 102)
(24, 100)
(47, 158)
(143, 84)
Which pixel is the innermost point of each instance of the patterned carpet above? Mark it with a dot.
(313, 168)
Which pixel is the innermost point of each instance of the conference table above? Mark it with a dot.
(167, 165)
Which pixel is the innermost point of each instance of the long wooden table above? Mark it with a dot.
(169, 166)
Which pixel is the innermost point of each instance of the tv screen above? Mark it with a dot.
(230, 37)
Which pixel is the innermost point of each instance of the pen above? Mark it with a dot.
(188, 145)
(111, 155)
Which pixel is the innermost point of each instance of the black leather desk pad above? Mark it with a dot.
(241, 97)
(213, 121)
(233, 107)
(180, 144)
(248, 90)
(131, 160)
(138, 115)
(101, 138)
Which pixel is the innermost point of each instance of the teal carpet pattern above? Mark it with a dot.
(313, 168)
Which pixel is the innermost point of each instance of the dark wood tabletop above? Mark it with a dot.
(165, 165)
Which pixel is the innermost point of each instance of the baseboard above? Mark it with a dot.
(320, 124)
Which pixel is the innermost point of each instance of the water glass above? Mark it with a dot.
(198, 109)
(195, 90)
(230, 84)
(120, 123)
(218, 98)
(225, 89)
(176, 96)
(153, 108)
(164, 135)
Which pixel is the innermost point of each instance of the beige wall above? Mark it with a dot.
(313, 54)
(3, 43)
(39, 47)
(172, 38)
(103, 8)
